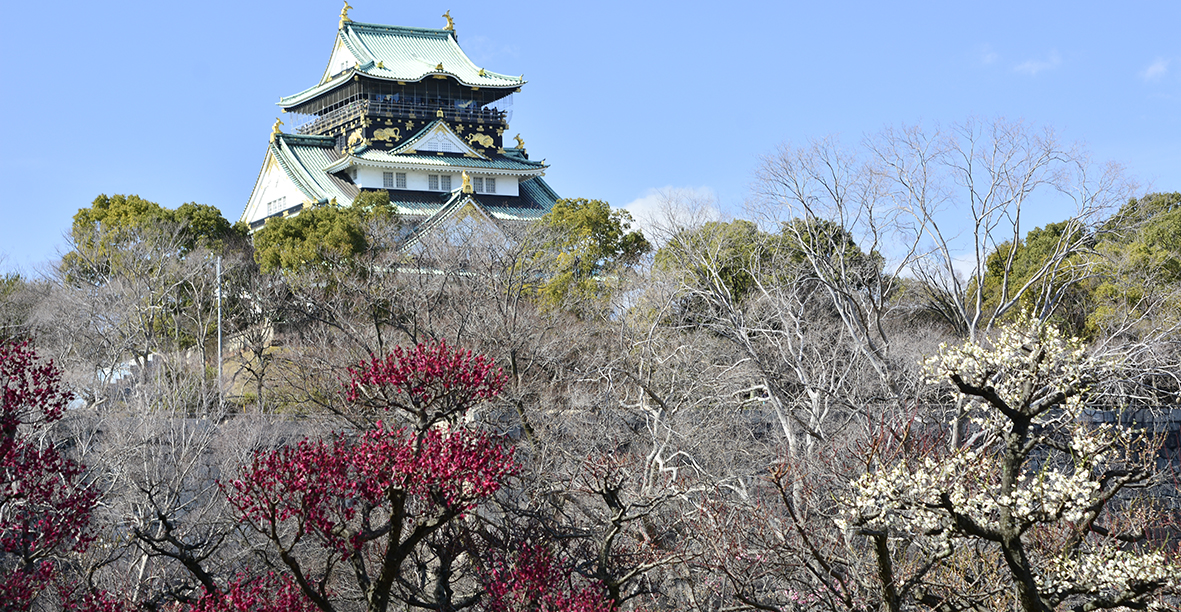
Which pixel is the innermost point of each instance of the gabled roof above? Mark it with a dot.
(379, 158)
(406, 156)
(536, 199)
(303, 158)
(438, 127)
(310, 161)
(396, 53)
(457, 202)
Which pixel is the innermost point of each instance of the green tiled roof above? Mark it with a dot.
(404, 54)
(381, 157)
(535, 199)
(538, 191)
(303, 158)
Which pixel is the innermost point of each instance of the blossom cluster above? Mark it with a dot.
(1109, 569)
(44, 505)
(265, 593)
(1027, 361)
(434, 471)
(907, 498)
(533, 581)
(1031, 465)
(432, 377)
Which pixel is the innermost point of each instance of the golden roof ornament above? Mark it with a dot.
(439, 113)
(439, 67)
(467, 183)
(275, 131)
(450, 22)
(344, 15)
(520, 142)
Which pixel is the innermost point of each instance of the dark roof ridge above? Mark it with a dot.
(308, 139)
(397, 28)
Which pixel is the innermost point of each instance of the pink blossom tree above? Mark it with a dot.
(532, 580)
(353, 508)
(431, 383)
(45, 506)
(266, 593)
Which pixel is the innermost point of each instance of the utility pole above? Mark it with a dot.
(220, 394)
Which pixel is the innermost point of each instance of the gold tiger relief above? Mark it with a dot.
(482, 139)
(387, 134)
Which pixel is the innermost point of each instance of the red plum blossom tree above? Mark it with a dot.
(45, 505)
(355, 507)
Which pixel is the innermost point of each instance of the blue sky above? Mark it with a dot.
(174, 101)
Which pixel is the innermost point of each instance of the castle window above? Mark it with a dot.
(387, 180)
(438, 142)
(478, 184)
(489, 185)
(432, 182)
(445, 182)
(276, 205)
(401, 182)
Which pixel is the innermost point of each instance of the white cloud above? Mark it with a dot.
(1034, 66)
(660, 212)
(987, 55)
(1156, 70)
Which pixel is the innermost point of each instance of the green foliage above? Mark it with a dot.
(1139, 211)
(14, 306)
(717, 252)
(321, 234)
(1132, 267)
(826, 250)
(113, 219)
(1008, 269)
(585, 247)
(1138, 265)
(107, 231)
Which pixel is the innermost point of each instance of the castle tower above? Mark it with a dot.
(403, 110)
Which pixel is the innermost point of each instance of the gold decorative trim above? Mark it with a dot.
(356, 138)
(388, 134)
(450, 22)
(275, 131)
(344, 15)
(467, 183)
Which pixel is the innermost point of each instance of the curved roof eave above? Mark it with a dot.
(412, 164)
(311, 93)
(299, 181)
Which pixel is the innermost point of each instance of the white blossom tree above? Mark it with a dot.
(1054, 495)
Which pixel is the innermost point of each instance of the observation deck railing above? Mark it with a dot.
(359, 108)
